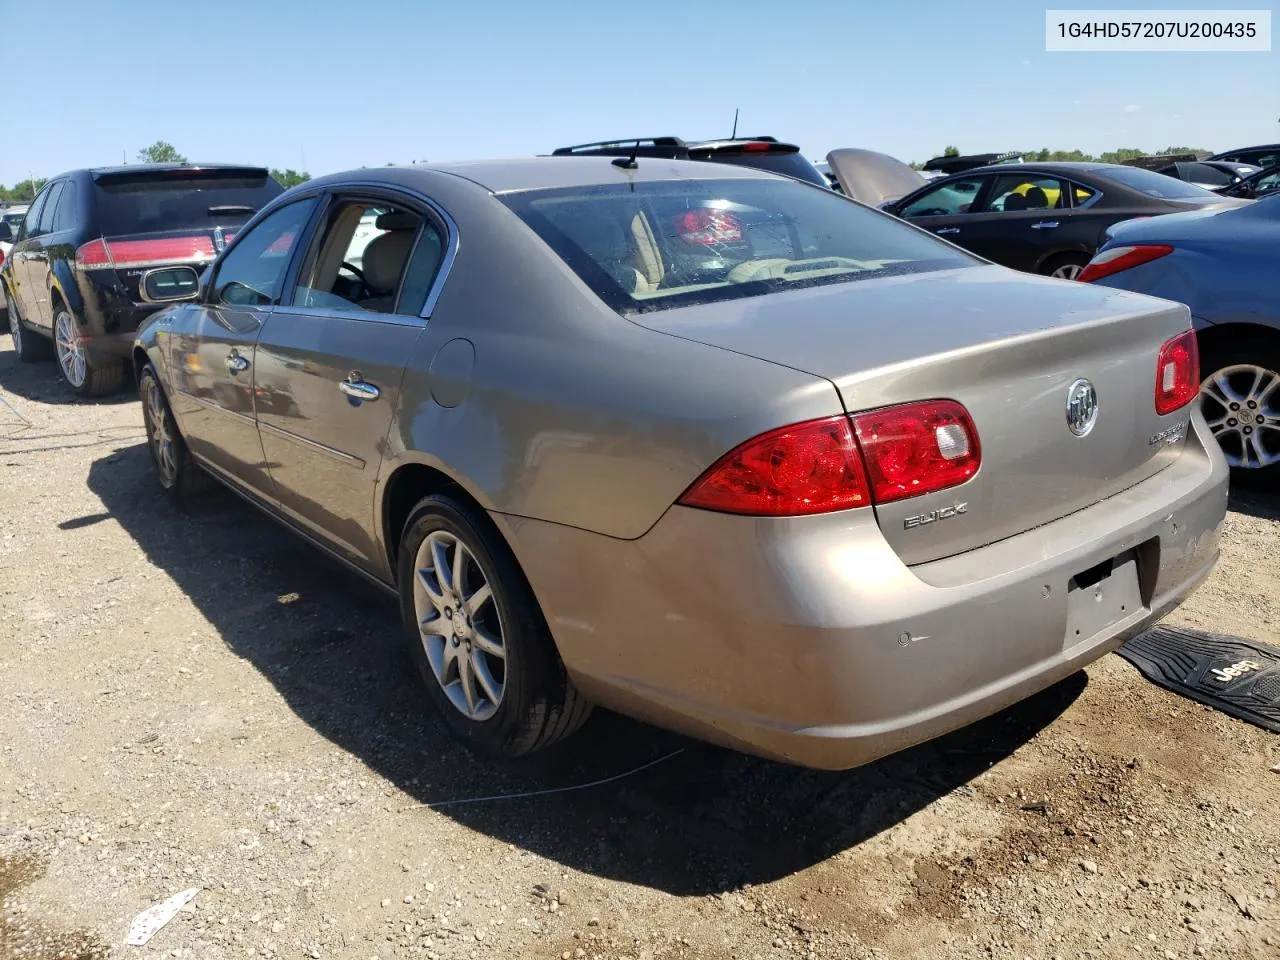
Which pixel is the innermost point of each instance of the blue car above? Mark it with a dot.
(1225, 265)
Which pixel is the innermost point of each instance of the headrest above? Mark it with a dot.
(1037, 198)
(1015, 201)
(397, 220)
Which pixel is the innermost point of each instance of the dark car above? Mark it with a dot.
(763, 153)
(1265, 155)
(1260, 184)
(1045, 218)
(83, 269)
(1215, 175)
(1223, 265)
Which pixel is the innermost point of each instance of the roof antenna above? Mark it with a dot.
(629, 163)
(734, 135)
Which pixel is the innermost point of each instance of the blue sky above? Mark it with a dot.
(330, 86)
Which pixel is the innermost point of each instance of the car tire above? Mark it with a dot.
(1243, 373)
(175, 468)
(30, 347)
(87, 377)
(1064, 266)
(501, 647)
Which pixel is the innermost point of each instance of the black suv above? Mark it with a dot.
(95, 253)
(765, 153)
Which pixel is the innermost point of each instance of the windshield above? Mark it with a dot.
(788, 164)
(1157, 184)
(177, 203)
(653, 246)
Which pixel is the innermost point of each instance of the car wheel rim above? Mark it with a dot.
(162, 445)
(1241, 405)
(70, 352)
(15, 325)
(459, 625)
(1068, 271)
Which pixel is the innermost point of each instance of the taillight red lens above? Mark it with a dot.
(917, 448)
(709, 226)
(94, 255)
(1177, 373)
(1115, 259)
(816, 467)
(124, 254)
(799, 470)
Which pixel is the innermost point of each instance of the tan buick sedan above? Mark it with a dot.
(714, 448)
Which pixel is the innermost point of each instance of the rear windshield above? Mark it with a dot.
(654, 246)
(1157, 184)
(176, 203)
(788, 164)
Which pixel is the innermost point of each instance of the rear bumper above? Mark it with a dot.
(807, 640)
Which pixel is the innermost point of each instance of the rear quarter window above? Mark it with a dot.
(177, 203)
(654, 246)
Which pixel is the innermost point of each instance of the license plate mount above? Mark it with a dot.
(1102, 596)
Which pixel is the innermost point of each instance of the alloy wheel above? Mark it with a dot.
(459, 625)
(70, 353)
(160, 434)
(1241, 404)
(1068, 271)
(15, 325)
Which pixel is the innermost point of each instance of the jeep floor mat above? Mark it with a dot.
(1239, 677)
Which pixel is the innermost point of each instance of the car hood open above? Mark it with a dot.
(872, 178)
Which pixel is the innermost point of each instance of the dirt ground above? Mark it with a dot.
(195, 699)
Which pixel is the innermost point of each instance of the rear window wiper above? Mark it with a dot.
(231, 208)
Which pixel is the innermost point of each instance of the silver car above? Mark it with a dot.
(707, 446)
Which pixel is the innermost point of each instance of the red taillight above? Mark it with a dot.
(1177, 373)
(94, 255)
(917, 448)
(124, 254)
(804, 469)
(1107, 262)
(817, 467)
(757, 146)
(709, 226)
(1, 256)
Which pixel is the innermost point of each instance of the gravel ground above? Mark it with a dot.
(195, 699)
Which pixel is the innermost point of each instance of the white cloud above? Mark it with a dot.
(1131, 108)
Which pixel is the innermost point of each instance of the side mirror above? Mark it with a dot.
(169, 285)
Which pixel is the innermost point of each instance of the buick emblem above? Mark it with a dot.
(1082, 407)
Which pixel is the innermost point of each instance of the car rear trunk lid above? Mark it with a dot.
(1007, 347)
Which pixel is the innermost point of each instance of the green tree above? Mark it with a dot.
(161, 152)
(290, 178)
(951, 152)
(23, 191)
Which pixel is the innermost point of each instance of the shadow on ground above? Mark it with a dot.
(41, 382)
(1265, 505)
(702, 822)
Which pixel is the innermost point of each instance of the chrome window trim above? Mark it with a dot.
(355, 313)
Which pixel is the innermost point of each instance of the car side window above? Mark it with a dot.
(64, 216)
(45, 223)
(1016, 193)
(1080, 194)
(372, 256)
(33, 215)
(252, 272)
(946, 200)
(1268, 183)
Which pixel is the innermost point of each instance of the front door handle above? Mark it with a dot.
(356, 387)
(944, 231)
(236, 363)
(1044, 225)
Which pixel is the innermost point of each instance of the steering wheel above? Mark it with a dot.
(356, 270)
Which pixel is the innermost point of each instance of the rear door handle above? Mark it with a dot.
(236, 363)
(944, 231)
(356, 387)
(1044, 225)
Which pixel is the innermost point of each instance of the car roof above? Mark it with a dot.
(547, 173)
